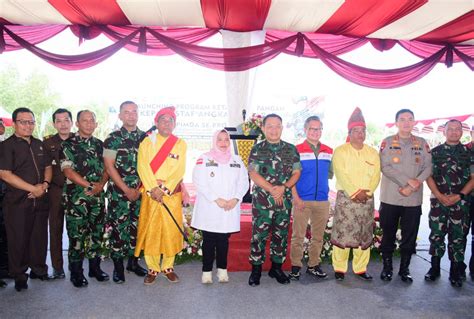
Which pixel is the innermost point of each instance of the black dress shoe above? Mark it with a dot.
(386, 275)
(406, 277)
(95, 271)
(279, 275)
(21, 284)
(339, 276)
(456, 282)
(44, 277)
(78, 280)
(365, 276)
(134, 266)
(3, 284)
(432, 274)
(58, 274)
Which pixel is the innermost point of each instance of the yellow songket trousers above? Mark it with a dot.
(340, 258)
(159, 263)
(157, 233)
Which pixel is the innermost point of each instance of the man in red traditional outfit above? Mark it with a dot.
(161, 166)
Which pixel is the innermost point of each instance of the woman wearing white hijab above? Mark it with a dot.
(221, 180)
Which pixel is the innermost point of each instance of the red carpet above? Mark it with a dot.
(239, 248)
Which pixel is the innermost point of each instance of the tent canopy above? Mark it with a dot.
(437, 31)
(434, 21)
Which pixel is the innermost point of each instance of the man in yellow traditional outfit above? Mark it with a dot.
(161, 165)
(357, 169)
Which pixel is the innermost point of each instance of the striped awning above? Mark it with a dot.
(435, 21)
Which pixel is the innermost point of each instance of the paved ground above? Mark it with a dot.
(352, 298)
(310, 298)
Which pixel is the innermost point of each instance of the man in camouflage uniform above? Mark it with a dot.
(83, 198)
(120, 159)
(450, 183)
(62, 122)
(274, 167)
(470, 225)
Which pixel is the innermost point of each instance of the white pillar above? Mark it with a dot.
(239, 85)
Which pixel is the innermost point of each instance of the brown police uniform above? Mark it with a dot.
(52, 146)
(26, 220)
(401, 160)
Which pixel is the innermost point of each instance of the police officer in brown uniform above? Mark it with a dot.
(406, 164)
(26, 169)
(62, 121)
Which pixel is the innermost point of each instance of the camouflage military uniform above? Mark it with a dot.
(122, 214)
(85, 215)
(451, 172)
(275, 163)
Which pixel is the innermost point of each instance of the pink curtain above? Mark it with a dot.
(183, 41)
(32, 34)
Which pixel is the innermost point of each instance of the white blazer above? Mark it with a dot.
(212, 181)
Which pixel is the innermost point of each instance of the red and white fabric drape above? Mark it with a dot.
(436, 31)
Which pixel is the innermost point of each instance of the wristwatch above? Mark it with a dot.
(463, 196)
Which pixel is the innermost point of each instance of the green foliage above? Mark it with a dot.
(34, 91)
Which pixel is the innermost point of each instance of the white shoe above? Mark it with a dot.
(206, 277)
(222, 275)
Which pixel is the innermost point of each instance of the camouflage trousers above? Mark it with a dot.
(85, 217)
(122, 220)
(266, 222)
(453, 221)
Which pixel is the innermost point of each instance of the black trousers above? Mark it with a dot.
(409, 220)
(214, 246)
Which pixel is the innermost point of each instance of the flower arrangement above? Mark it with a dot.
(254, 126)
(192, 249)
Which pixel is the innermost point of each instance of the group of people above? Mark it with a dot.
(141, 174)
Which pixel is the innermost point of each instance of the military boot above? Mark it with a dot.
(404, 272)
(454, 275)
(77, 274)
(278, 274)
(387, 271)
(435, 270)
(118, 275)
(95, 271)
(134, 266)
(254, 279)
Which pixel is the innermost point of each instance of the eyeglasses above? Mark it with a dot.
(315, 129)
(25, 122)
